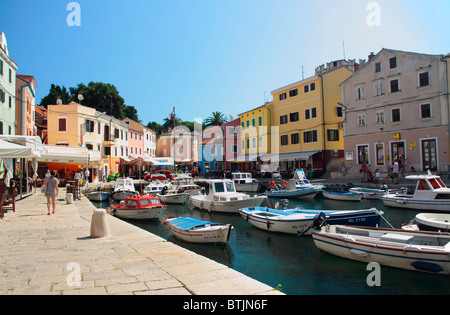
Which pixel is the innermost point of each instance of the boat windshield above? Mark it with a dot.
(132, 203)
(219, 187)
(441, 183)
(230, 187)
(144, 202)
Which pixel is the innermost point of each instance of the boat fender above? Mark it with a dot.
(426, 266)
(271, 185)
(359, 253)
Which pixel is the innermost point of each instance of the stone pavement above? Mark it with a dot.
(41, 254)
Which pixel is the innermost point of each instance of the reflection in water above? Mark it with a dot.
(296, 263)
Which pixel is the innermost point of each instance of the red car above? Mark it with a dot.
(159, 175)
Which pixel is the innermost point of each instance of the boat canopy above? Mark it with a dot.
(190, 223)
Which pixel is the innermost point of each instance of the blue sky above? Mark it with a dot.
(201, 56)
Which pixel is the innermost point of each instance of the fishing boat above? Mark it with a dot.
(437, 222)
(99, 196)
(222, 197)
(375, 193)
(138, 207)
(245, 182)
(411, 250)
(199, 231)
(291, 191)
(294, 221)
(430, 194)
(123, 188)
(337, 194)
(183, 187)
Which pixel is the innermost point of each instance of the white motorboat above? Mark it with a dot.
(430, 194)
(222, 197)
(301, 181)
(294, 221)
(337, 194)
(437, 222)
(183, 187)
(245, 182)
(123, 188)
(291, 190)
(199, 231)
(145, 207)
(376, 194)
(411, 250)
(155, 187)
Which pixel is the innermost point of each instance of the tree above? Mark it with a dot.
(56, 92)
(216, 119)
(131, 112)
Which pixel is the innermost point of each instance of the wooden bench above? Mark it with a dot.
(7, 197)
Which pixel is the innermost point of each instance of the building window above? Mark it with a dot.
(360, 93)
(306, 88)
(284, 140)
(248, 123)
(89, 125)
(379, 116)
(313, 86)
(283, 120)
(396, 115)
(243, 145)
(282, 96)
(310, 113)
(254, 143)
(10, 102)
(260, 121)
(1, 127)
(310, 136)
(293, 92)
(242, 125)
(425, 111)
(333, 135)
(99, 127)
(260, 141)
(10, 76)
(253, 122)
(361, 120)
(339, 111)
(1, 67)
(378, 89)
(295, 138)
(394, 86)
(234, 148)
(62, 124)
(293, 117)
(2, 96)
(424, 79)
(393, 62)
(378, 67)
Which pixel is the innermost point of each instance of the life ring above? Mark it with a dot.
(283, 183)
(272, 185)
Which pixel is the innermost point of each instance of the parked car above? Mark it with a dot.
(159, 175)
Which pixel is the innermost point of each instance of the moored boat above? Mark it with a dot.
(144, 207)
(337, 194)
(294, 221)
(99, 196)
(199, 231)
(375, 193)
(183, 187)
(124, 187)
(411, 250)
(291, 191)
(245, 182)
(437, 222)
(430, 194)
(222, 197)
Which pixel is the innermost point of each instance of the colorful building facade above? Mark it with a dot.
(25, 105)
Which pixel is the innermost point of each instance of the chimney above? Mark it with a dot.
(371, 55)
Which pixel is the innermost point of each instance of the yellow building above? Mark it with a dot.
(255, 135)
(310, 119)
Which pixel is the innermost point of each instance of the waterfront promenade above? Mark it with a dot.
(42, 254)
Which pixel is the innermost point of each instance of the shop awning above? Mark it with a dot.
(304, 155)
(64, 155)
(20, 146)
(162, 161)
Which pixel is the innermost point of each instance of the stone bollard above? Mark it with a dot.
(69, 198)
(99, 224)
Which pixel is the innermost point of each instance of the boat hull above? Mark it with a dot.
(433, 222)
(376, 194)
(122, 194)
(247, 187)
(213, 234)
(344, 196)
(138, 214)
(202, 203)
(294, 224)
(401, 256)
(408, 202)
(99, 196)
(306, 193)
(179, 199)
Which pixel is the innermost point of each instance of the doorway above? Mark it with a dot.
(429, 155)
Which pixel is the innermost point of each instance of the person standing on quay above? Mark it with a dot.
(52, 191)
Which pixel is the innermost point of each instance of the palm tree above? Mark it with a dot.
(216, 119)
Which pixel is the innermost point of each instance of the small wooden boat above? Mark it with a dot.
(375, 193)
(437, 222)
(222, 197)
(123, 188)
(199, 231)
(430, 194)
(411, 250)
(99, 196)
(138, 207)
(183, 187)
(294, 221)
(293, 191)
(337, 194)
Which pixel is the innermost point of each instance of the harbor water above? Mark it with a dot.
(294, 264)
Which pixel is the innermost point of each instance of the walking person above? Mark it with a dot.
(52, 191)
(393, 174)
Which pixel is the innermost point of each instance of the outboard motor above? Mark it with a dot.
(164, 190)
(284, 203)
(318, 221)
